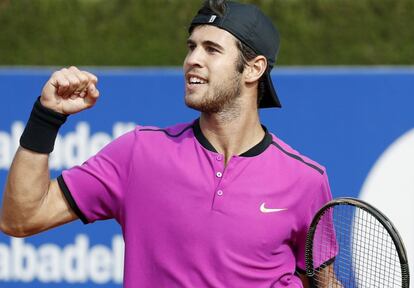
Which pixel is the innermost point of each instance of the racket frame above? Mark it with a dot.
(392, 231)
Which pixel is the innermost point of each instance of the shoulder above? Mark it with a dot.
(146, 135)
(306, 177)
(292, 159)
(173, 131)
(153, 137)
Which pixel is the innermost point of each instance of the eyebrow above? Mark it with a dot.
(207, 43)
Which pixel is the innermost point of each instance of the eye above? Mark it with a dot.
(211, 49)
(191, 46)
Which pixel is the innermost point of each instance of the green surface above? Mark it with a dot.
(153, 32)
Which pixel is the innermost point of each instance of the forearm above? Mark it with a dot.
(28, 183)
(25, 191)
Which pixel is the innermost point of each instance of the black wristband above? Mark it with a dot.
(41, 129)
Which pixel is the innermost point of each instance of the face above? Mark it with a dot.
(212, 82)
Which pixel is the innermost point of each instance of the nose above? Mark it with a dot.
(194, 58)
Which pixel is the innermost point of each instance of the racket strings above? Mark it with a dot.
(351, 248)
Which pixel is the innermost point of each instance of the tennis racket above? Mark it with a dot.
(350, 244)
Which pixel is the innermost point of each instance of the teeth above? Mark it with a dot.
(196, 80)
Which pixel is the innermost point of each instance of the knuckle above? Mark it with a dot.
(64, 82)
(87, 75)
(74, 82)
(83, 78)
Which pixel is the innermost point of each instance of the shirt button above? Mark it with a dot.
(219, 192)
(218, 158)
(219, 174)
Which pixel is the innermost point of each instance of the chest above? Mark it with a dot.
(204, 203)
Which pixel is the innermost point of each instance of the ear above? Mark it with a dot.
(255, 69)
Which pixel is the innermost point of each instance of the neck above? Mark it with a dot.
(232, 134)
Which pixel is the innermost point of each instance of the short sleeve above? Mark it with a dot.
(95, 190)
(319, 198)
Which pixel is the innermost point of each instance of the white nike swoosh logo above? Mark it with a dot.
(270, 210)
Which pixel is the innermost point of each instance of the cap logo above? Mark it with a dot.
(212, 18)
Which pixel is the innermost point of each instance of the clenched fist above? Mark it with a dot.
(69, 91)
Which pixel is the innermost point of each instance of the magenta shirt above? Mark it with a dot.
(188, 221)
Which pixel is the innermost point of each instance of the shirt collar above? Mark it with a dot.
(254, 151)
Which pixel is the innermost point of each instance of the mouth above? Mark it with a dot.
(194, 80)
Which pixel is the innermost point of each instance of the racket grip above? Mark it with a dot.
(405, 275)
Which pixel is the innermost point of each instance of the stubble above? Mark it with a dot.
(222, 98)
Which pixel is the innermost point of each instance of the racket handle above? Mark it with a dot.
(405, 275)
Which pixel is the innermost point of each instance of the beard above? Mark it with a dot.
(218, 97)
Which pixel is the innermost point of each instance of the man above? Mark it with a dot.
(218, 202)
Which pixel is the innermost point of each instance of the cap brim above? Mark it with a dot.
(269, 99)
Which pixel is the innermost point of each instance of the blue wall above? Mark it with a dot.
(344, 118)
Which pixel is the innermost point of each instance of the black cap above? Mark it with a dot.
(248, 24)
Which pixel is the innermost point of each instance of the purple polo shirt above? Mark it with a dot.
(190, 221)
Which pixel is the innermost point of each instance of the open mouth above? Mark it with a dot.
(195, 80)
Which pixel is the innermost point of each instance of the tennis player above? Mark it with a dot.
(218, 202)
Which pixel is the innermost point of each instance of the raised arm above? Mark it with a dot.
(32, 202)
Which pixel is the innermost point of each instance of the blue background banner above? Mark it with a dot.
(344, 118)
